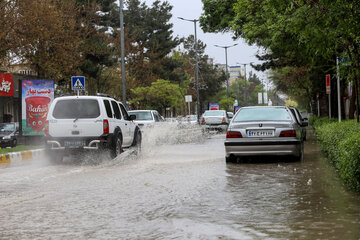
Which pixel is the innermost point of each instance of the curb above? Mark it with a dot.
(16, 158)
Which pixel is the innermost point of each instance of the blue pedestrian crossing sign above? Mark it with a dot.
(78, 83)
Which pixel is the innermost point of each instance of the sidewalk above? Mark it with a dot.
(16, 158)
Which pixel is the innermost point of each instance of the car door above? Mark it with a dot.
(129, 126)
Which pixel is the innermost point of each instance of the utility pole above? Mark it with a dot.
(197, 108)
(227, 71)
(338, 87)
(122, 46)
(245, 85)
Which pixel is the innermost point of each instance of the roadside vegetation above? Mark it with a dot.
(60, 39)
(340, 142)
(19, 148)
(300, 42)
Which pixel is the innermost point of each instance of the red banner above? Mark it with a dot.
(328, 89)
(6, 85)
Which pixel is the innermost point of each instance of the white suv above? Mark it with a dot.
(77, 123)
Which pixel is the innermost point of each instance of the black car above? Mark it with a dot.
(8, 134)
(303, 122)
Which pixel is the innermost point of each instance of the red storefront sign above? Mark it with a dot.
(328, 89)
(6, 85)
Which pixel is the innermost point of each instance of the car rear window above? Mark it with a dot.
(76, 108)
(214, 113)
(262, 114)
(142, 115)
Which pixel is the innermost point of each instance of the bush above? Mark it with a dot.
(341, 144)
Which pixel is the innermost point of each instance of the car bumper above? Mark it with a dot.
(221, 127)
(5, 142)
(84, 143)
(260, 148)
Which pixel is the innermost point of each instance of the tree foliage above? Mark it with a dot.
(304, 37)
(160, 95)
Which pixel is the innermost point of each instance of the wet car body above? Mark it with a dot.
(147, 119)
(215, 120)
(300, 120)
(264, 131)
(8, 134)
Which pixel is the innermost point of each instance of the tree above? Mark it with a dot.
(297, 34)
(47, 36)
(160, 95)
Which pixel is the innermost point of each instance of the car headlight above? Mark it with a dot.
(7, 137)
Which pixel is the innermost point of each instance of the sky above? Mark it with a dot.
(192, 9)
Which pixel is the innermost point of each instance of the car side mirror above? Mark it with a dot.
(132, 117)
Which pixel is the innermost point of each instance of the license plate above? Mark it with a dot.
(74, 143)
(260, 133)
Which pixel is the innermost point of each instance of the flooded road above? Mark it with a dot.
(179, 188)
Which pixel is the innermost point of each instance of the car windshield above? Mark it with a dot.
(7, 127)
(142, 115)
(214, 113)
(262, 114)
(76, 108)
(192, 117)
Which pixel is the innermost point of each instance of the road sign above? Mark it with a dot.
(328, 89)
(78, 83)
(214, 106)
(260, 98)
(188, 98)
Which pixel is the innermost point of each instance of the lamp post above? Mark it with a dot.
(196, 67)
(122, 46)
(227, 71)
(245, 88)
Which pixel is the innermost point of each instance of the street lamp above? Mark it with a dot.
(245, 93)
(196, 67)
(122, 46)
(227, 72)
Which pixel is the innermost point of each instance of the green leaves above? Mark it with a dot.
(159, 95)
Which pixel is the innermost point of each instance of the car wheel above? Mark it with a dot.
(137, 143)
(300, 157)
(14, 143)
(116, 148)
(230, 159)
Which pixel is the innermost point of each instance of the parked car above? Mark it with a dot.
(190, 119)
(8, 134)
(147, 118)
(230, 115)
(80, 123)
(300, 120)
(265, 130)
(215, 120)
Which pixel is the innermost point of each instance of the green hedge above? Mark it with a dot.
(341, 144)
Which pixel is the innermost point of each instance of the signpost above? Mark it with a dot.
(188, 99)
(328, 91)
(78, 83)
(260, 100)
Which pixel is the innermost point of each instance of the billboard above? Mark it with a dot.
(37, 96)
(214, 106)
(6, 85)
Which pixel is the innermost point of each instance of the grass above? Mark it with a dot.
(19, 148)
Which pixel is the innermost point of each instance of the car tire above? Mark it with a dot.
(137, 143)
(14, 143)
(300, 157)
(230, 159)
(116, 148)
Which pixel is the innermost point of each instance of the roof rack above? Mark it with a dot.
(102, 95)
